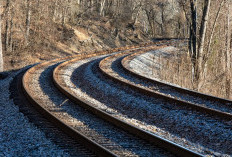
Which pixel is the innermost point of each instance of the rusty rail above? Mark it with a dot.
(151, 93)
(127, 59)
(93, 146)
(161, 142)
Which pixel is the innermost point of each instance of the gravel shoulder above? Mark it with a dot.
(19, 137)
(144, 64)
(140, 147)
(187, 128)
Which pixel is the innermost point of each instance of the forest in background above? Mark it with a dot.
(37, 30)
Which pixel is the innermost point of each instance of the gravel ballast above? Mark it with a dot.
(18, 137)
(158, 117)
(112, 138)
(145, 63)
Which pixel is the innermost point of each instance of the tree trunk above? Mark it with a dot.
(102, 11)
(228, 57)
(28, 21)
(193, 32)
(7, 26)
(163, 22)
(213, 30)
(63, 15)
(135, 17)
(55, 11)
(10, 33)
(199, 68)
(208, 53)
(193, 37)
(1, 56)
(7, 32)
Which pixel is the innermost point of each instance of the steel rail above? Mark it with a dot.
(76, 135)
(159, 141)
(125, 61)
(151, 93)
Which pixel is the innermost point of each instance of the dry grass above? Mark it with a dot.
(178, 70)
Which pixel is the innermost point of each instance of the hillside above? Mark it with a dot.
(89, 36)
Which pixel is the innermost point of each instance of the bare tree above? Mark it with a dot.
(28, 21)
(193, 32)
(228, 54)
(7, 25)
(214, 26)
(102, 9)
(199, 66)
(197, 46)
(1, 56)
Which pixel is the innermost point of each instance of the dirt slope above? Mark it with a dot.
(88, 36)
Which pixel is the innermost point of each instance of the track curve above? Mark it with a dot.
(126, 54)
(183, 91)
(93, 146)
(104, 67)
(98, 149)
(125, 64)
(168, 145)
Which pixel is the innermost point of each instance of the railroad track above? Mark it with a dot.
(111, 68)
(122, 73)
(66, 88)
(52, 111)
(59, 138)
(219, 106)
(59, 91)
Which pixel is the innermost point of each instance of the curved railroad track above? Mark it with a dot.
(125, 62)
(161, 142)
(197, 101)
(63, 92)
(125, 65)
(58, 137)
(51, 112)
(112, 69)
